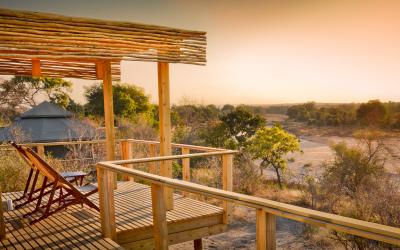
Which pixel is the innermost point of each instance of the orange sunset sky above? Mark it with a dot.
(263, 52)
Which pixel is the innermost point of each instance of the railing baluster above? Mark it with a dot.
(160, 229)
(152, 153)
(40, 150)
(185, 168)
(227, 184)
(185, 165)
(126, 153)
(105, 179)
(265, 230)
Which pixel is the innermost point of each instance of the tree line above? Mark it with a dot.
(373, 113)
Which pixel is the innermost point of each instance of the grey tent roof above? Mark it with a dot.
(47, 122)
(46, 109)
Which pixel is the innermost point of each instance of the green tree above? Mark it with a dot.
(129, 101)
(241, 124)
(76, 108)
(271, 145)
(371, 113)
(227, 108)
(21, 92)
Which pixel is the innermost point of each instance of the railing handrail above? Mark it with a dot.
(146, 142)
(173, 157)
(322, 219)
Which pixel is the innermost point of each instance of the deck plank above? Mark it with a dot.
(79, 228)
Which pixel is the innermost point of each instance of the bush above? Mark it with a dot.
(356, 184)
(13, 172)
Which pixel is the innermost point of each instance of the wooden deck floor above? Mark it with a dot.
(79, 227)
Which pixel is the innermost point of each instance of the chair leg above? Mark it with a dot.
(28, 182)
(33, 184)
(50, 201)
(39, 200)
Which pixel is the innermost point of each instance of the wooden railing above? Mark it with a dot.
(266, 210)
(105, 182)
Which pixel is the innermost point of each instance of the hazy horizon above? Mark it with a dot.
(264, 52)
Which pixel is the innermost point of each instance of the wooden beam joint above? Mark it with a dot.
(36, 69)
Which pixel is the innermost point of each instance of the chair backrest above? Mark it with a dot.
(46, 170)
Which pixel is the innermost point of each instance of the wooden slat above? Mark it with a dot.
(164, 107)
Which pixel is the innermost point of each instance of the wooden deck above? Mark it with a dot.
(79, 227)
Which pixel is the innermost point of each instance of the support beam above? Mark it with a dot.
(164, 107)
(160, 229)
(227, 184)
(36, 70)
(105, 180)
(108, 113)
(126, 152)
(265, 230)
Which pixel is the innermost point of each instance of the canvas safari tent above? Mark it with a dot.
(47, 122)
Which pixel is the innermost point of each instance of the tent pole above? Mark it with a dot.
(164, 109)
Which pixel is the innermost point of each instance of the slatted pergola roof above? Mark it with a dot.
(64, 46)
(41, 44)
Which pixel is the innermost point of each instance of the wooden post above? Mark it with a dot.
(186, 165)
(265, 230)
(152, 153)
(36, 70)
(160, 229)
(105, 180)
(164, 107)
(198, 244)
(227, 184)
(126, 151)
(2, 224)
(40, 150)
(108, 113)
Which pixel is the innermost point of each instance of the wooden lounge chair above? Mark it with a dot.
(46, 197)
(31, 191)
